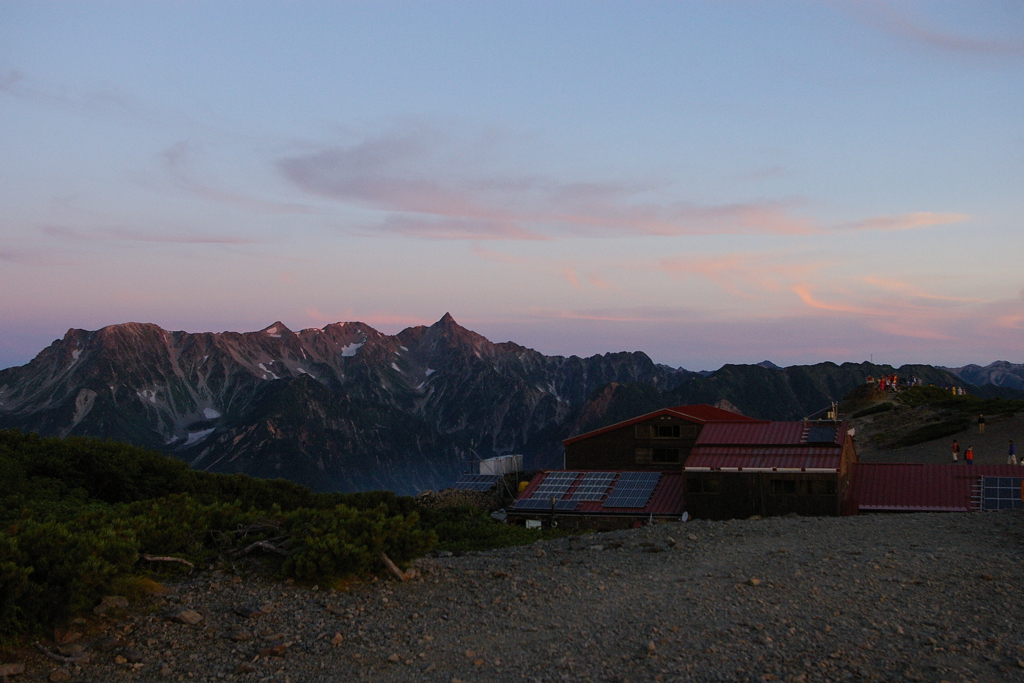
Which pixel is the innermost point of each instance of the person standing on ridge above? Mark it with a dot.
(969, 456)
(981, 424)
(1011, 456)
(955, 448)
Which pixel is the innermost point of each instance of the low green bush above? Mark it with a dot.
(465, 528)
(78, 517)
(936, 430)
(873, 410)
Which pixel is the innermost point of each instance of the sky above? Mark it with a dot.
(708, 182)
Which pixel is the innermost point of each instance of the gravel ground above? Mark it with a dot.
(876, 597)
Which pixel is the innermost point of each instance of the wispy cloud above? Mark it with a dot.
(900, 310)
(30, 258)
(884, 17)
(907, 221)
(178, 163)
(912, 291)
(569, 275)
(804, 292)
(422, 181)
(599, 316)
(127, 235)
(598, 282)
(496, 256)
(744, 275)
(100, 99)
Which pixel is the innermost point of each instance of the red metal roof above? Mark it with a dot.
(917, 487)
(702, 412)
(761, 457)
(762, 433)
(666, 499)
(699, 413)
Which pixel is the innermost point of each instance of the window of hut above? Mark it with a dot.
(701, 485)
(783, 486)
(666, 431)
(670, 455)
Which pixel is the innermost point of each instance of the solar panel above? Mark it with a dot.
(477, 482)
(821, 434)
(543, 504)
(555, 485)
(531, 504)
(593, 486)
(1000, 493)
(632, 490)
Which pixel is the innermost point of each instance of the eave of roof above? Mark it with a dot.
(793, 458)
(769, 434)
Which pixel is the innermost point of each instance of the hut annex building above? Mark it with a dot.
(709, 463)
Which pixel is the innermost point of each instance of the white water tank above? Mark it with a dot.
(502, 464)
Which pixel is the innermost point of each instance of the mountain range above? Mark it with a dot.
(348, 408)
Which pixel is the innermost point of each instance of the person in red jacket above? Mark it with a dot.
(969, 455)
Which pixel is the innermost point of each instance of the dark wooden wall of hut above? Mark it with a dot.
(737, 495)
(636, 447)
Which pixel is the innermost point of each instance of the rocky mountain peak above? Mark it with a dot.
(456, 334)
(276, 329)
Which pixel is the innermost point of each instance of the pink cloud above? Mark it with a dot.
(804, 292)
(907, 221)
(747, 276)
(570, 276)
(496, 256)
(915, 292)
(598, 282)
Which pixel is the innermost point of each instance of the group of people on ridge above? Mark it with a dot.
(1011, 455)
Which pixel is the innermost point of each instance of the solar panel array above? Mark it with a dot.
(1000, 493)
(477, 482)
(632, 490)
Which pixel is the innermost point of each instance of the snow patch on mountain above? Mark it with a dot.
(195, 437)
(349, 350)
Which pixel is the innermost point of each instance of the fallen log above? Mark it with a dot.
(260, 545)
(77, 659)
(162, 558)
(393, 568)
